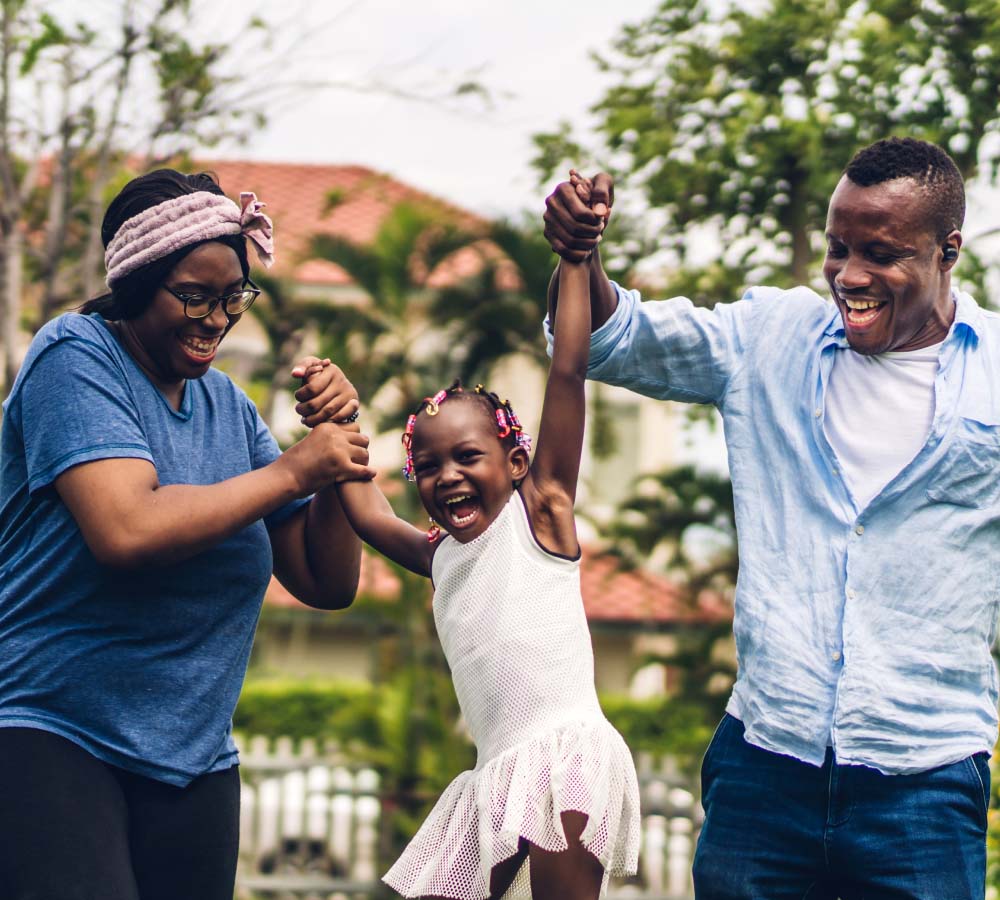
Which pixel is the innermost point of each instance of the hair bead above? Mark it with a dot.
(506, 419)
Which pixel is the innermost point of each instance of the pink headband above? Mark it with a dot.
(160, 230)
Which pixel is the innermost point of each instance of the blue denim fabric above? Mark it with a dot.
(868, 627)
(780, 829)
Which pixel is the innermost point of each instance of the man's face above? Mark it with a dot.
(886, 268)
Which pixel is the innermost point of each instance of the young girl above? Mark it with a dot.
(554, 781)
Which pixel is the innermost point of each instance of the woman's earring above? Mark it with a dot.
(434, 532)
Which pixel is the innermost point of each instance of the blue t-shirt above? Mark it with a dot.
(140, 667)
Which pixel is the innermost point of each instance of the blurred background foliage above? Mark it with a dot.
(726, 128)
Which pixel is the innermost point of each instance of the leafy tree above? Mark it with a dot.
(75, 102)
(743, 117)
(411, 334)
(684, 519)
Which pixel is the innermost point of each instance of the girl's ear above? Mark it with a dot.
(518, 461)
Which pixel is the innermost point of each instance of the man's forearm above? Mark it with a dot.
(603, 297)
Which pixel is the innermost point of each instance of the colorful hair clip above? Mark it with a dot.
(408, 473)
(434, 403)
(502, 423)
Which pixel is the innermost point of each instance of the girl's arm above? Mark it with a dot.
(378, 526)
(550, 488)
(364, 505)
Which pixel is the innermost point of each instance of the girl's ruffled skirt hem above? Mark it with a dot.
(481, 817)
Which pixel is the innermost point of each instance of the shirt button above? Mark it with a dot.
(835, 656)
(859, 529)
(818, 413)
(850, 593)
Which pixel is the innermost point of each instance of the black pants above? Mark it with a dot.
(75, 828)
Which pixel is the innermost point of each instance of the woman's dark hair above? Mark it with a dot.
(132, 295)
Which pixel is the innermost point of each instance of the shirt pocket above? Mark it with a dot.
(967, 474)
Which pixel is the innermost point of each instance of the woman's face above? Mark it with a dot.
(168, 345)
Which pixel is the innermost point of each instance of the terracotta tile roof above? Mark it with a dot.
(609, 594)
(346, 201)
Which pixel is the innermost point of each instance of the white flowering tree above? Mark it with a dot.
(743, 116)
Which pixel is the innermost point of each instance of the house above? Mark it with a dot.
(632, 614)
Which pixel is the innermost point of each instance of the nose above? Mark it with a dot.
(852, 274)
(449, 473)
(217, 319)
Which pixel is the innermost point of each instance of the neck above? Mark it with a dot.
(172, 390)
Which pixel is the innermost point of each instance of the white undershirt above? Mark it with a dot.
(879, 411)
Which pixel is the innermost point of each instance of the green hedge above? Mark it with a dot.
(355, 715)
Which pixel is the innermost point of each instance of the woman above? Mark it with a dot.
(143, 508)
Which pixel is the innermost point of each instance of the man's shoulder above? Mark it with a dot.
(798, 307)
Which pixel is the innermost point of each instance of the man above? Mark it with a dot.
(863, 441)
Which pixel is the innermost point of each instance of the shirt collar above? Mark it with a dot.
(968, 317)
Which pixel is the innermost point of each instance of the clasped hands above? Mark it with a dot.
(576, 214)
(334, 450)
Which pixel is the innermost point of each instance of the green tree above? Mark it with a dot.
(75, 101)
(684, 518)
(390, 344)
(743, 118)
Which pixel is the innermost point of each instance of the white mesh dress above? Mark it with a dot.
(510, 618)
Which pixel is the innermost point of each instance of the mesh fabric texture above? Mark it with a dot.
(510, 618)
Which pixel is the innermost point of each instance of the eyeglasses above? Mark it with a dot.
(200, 306)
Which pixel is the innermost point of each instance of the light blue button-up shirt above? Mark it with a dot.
(870, 627)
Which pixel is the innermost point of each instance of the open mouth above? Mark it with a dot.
(462, 510)
(860, 313)
(199, 348)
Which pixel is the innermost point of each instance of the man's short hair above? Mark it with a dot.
(928, 165)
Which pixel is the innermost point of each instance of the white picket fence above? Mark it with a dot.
(310, 827)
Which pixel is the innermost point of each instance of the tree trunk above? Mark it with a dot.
(798, 225)
(13, 258)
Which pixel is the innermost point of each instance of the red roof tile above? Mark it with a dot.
(345, 201)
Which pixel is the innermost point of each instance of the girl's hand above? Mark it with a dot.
(326, 394)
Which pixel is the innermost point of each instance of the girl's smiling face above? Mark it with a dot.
(465, 473)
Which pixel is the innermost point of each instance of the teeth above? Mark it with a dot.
(463, 520)
(200, 346)
(451, 500)
(861, 304)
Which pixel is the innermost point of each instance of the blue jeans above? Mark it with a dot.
(777, 828)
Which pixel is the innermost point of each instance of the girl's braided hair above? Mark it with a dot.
(509, 428)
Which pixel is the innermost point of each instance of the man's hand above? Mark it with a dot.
(573, 226)
(326, 394)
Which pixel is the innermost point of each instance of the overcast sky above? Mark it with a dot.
(532, 56)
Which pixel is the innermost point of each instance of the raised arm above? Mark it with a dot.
(575, 219)
(378, 526)
(550, 488)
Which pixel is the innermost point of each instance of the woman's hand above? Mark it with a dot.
(329, 453)
(326, 394)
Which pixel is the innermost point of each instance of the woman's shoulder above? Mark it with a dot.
(86, 339)
(72, 325)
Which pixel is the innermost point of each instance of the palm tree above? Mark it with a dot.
(392, 346)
